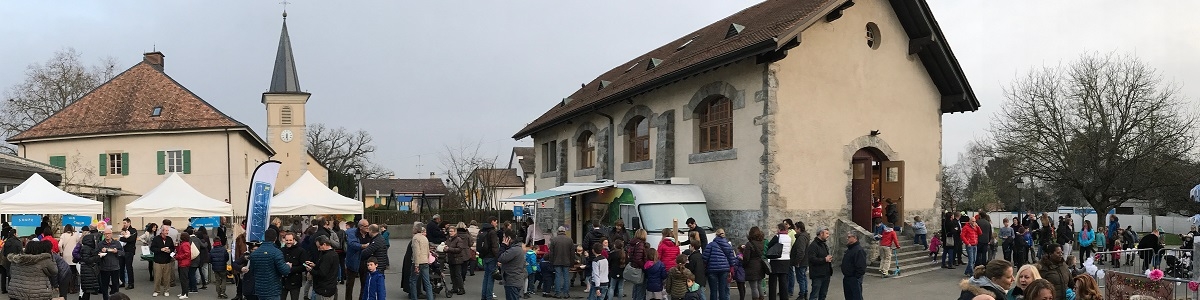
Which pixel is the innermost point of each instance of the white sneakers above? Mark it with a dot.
(184, 296)
(154, 295)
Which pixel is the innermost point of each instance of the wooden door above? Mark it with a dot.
(860, 197)
(892, 185)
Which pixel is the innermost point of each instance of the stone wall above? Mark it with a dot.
(665, 147)
(737, 223)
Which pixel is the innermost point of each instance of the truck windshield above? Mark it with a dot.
(658, 216)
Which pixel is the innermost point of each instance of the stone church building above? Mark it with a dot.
(801, 109)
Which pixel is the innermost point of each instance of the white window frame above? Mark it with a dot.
(174, 161)
(114, 164)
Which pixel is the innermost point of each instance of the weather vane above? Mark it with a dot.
(285, 4)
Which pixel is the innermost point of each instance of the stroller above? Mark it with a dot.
(437, 272)
(1178, 267)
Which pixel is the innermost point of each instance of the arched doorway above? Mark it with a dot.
(875, 177)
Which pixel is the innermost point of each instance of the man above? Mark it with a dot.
(129, 236)
(592, 237)
(295, 256)
(1153, 245)
(561, 252)
(435, 230)
(174, 234)
(355, 237)
(162, 246)
(267, 266)
(970, 240)
(376, 248)
(1053, 268)
(1006, 240)
(854, 266)
(324, 270)
(512, 262)
(985, 242)
(111, 258)
(820, 265)
(488, 247)
(420, 261)
(691, 225)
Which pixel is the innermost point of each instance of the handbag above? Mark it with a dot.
(195, 251)
(775, 251)
(634, 275)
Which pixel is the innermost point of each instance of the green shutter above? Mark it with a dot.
(187, 161)
(162, 162)
(103, 164)
(124, 164)
(59, 161)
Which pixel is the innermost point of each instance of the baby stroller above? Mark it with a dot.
(437, 271)
(1178, 267)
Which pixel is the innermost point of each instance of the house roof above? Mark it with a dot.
(126, 103)
(431, 186)
(769, 27)
(284, 78)
(498, 177)
(528, 158)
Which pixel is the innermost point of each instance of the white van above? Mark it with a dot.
(657, 205)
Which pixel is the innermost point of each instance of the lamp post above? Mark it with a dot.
(1020, 182)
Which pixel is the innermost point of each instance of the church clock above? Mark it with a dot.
(286, 136)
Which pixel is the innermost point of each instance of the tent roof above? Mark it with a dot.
(38, 196)
(308, 196)
(176, 198)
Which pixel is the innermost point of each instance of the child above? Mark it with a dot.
(1099, 243)
(218, 257)
(693, 292)
(376, 289)
(919, 232)
(599, 284)
(656, 273)
(677, 278)
(531, 268)
(1116, 256)
(1073, 265)
(577, 268)
(934, 244)
(890, 243)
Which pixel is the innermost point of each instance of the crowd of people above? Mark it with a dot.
(310, 260)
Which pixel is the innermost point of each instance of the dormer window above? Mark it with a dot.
(157, 111)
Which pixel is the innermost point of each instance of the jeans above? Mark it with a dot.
(852, 286)
(820, 288)
(982, 255)
(561, 279)
(791, 281)
(948, 257)
(718, 285)
(615, 287)
(422, 276)
(919, 239)
(602, 290)
(510, 292)
(489, 283)
(970, 266)
(802, 280)
(268, 297)
(639, 291)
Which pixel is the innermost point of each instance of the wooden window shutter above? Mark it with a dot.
(124, 163)
(58, 161)
(187, 161)
(162, 162)
(103, 164)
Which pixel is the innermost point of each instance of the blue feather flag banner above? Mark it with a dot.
(258, 208)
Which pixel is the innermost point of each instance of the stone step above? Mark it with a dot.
(907, 269)
(910, 260)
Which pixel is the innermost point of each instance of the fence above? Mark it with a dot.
(1123, 285)
(1140, 223)
(452, 216)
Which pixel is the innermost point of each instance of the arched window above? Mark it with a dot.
(638, 135)
(285, 115)
(715, 132)
(587, 150)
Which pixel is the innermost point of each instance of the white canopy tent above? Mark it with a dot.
(308, 196)
(174, 198)
(38, 196)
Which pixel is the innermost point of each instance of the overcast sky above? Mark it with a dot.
(421, 75)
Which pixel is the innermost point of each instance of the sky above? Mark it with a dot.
(421, 76)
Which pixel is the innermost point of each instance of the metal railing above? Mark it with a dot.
(1178, 287)
(1177, 265)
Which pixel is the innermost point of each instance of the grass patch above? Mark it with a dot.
(1172, 239)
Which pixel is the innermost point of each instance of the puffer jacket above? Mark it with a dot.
(183, 254)
(718, 255)
(89, 263)
(31, 276)
(219, 258)
(266, 269)
(667, 252)
(458, 250)
(377, 249)
(1057, 274)
(656, 274)
(676, 284)
(982, 286)
(637, 253)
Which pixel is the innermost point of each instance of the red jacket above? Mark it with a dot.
(889, 239)
(877, 211)
(667, 252)
(970, 234)
(183, 254)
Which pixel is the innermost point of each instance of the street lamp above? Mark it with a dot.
(1020, 182)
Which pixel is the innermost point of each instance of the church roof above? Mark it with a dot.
(284, 78)
(764, 30)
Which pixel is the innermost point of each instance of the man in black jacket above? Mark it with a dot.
(294, 255)
(691, 224)
(488, 246)
(562, 251)
(854, 266)
(435, 231)
(129, 236)
(324, 269)
(820, 265)
(162, 246)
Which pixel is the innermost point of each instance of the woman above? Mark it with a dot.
(791, 272)
(752, 261)
(1086, 237)
(89, 262)
(991, 279)
(637, 259)
(617, 260)
(183, 257)
(1040, 290)
(1086, 288)
(12, 245)
(144, 239)
(668, 250)
(618, 232)
(67, 243)
(1026, 275)
(458, 253)
(776, 284)
(32, 272)
(200, 270)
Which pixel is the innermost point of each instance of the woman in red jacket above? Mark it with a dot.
(183, 255)
(970, 239)
(668, 250)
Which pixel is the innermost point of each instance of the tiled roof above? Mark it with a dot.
(765, 27)
(498, 177)
(125, 104)
(761, 24)
(431, 186)
(528, 157)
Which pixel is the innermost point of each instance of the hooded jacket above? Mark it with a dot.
(667, 252)
(656, 273)
(31, 276)
(487, 244)
(676, 284)
(972, 287)
(637, 253)
(1056, 273)
(752, 261)
(89, 263)
(719, 255)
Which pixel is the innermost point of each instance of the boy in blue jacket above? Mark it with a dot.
(218, 257)
(531, 268)
(375, 285)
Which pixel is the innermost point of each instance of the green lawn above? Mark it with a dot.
(1172, 239)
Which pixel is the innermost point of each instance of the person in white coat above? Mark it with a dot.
(67, 242)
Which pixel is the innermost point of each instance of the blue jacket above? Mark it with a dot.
(531, 263)
(267, 268)
(376, 289)
(655, 275)
(1086, 237)
(218, 257)
(353, 249)
(718, 255)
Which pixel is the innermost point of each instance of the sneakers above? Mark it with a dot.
(184, 296)
(154, 295)
(166, 294)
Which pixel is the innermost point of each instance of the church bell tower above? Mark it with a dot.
(285, 102)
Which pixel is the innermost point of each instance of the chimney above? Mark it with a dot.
(154, 59)
(391, 176)
(432, 175)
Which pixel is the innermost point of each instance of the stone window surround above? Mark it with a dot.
(711, 156)
(585, 127)
(587, 172)
(637, 165)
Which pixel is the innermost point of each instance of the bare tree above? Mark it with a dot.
(343, 151)
(1103, 126)
(461, 163)
(80, 176)
(48, 88)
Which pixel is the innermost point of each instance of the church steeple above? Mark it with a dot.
(284, 78)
